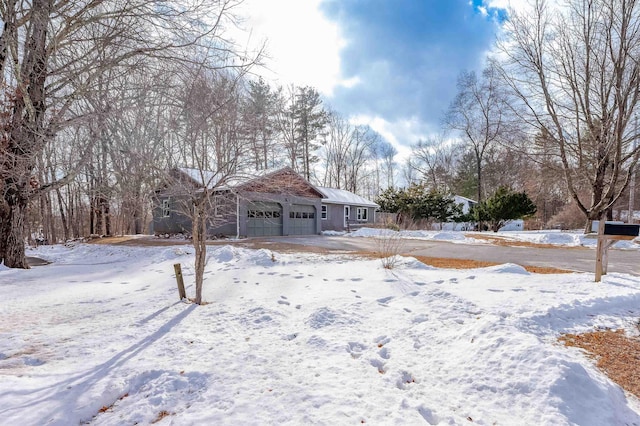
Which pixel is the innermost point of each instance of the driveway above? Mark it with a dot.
(580, 259)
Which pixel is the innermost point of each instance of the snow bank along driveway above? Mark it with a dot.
(99, 337)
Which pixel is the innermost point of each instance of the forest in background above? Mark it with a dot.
(99, 99)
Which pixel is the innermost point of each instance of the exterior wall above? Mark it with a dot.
(336, 216)
(222, 222)
(175, 223)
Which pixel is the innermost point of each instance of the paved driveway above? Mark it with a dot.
(572, 258)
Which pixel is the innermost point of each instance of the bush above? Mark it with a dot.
(504, 205)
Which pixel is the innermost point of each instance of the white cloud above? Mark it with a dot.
(401, 133)
(303, 47)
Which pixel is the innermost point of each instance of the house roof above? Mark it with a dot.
(340, 196)
(461, 198)
(211, 180)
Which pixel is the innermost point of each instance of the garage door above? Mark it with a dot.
(302, 220)
(264, 219)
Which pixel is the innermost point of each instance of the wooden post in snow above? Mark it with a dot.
(181, 291)
(600, 249)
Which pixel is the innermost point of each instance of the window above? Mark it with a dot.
(361, 214)
(217, 206)
(165, 208)
(324, 213)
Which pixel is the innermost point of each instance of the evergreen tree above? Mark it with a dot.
(310, 119)
(503, 206)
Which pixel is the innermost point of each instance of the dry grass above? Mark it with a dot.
(616, 354)
(446, 262)
(161, 415)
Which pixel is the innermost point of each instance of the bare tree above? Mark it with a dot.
(435, 160)
(575, 70)
(478, 113)
(210, 147)
(52, 56)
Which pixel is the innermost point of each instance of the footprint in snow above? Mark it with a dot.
(495, 290)
(381, 340)
(453, 280)
(384, 300)
(283, 302)
(428, 415)
(379, 365)
(356, 279)
(405, 380)
(471, 277)
(355, 349)
(438, 282)
(384, 353)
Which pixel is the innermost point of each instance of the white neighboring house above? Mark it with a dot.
(465, 202)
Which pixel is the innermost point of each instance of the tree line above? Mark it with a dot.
(99, 99)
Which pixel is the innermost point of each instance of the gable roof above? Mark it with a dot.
(283, 179)
(341, 196)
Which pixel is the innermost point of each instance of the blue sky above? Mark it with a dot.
(392, 64)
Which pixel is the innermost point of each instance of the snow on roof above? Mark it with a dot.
(204, 178)
(461, 198)
(340, 196)
(211, 180)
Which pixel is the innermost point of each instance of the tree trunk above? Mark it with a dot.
(12, 231)
(63, 217)
(200, 246)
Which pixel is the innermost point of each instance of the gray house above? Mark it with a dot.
(343, 210)
(269, 203)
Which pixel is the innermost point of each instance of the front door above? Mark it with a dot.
(347, 214)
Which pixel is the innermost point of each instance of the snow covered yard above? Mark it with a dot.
(99, 337)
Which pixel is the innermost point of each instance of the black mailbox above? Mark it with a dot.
(621, 229)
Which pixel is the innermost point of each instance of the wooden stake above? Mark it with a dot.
(181, 291)
(600, 250)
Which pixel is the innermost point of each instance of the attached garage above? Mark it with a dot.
(264, 219)
(302, 220)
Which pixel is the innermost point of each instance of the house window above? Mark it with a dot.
(361, 214)
(324, 213)
(165, 208)
(217, 207)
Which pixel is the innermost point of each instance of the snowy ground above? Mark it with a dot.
(302, 339)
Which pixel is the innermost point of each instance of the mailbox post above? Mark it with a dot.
(608, 235)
